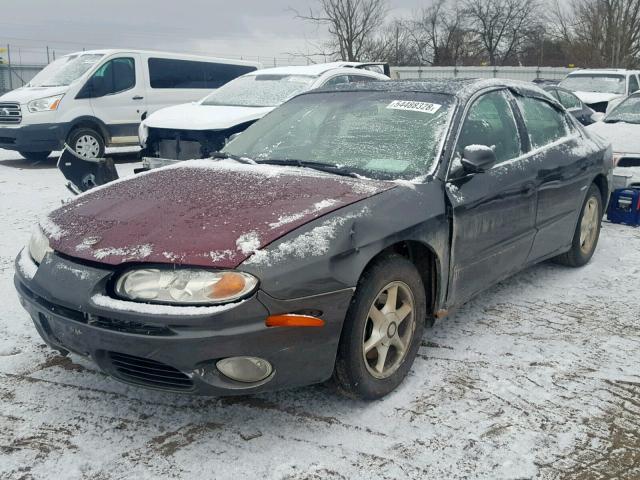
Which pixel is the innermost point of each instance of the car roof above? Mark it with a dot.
(603, 71)
(462, 88)
(314, 70)
(176, 55)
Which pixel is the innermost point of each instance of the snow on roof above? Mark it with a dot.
(602, 71)
(463, 88)
(314, 70)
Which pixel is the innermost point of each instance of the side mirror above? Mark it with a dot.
(597, 116)
(477, 158)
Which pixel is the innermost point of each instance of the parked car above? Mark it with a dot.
(621, 127)
(196, 130)
(602, 89)
(338, 225)
(573, 104)
(97, 98)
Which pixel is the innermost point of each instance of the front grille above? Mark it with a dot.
(10, 113)
(149, 373)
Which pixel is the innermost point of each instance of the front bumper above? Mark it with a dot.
(41, 137)
(178, 352)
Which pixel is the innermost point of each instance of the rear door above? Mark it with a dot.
(567, 163)
(119, 97)
(493, 211)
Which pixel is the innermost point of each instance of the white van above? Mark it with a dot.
(96, 99)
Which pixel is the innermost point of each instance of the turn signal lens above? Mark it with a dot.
(292, 320)
(229, 285)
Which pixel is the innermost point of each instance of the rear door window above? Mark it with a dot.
(544, 123)
(172, 73)
(490, 122)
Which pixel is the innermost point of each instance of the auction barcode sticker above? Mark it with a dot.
(424, 107)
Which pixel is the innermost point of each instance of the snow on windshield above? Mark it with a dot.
(627, 111)
(264, 90)
(381, 135)
(599, 83)
(65, 70)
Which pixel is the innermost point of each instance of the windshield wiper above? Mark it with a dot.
(229, 156)
(323, 167)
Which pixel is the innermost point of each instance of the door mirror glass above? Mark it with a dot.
(597, 116)
(478, 158)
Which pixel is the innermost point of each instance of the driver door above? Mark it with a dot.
(120, 103)
(494, 211)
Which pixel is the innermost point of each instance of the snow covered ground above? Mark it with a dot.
(539, 377)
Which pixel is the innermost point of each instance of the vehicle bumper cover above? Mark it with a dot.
(58, 298)
(41, 137)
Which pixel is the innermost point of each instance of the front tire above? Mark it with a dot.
(86, 142)
(35, 156)
(587, 233)
(382, 331)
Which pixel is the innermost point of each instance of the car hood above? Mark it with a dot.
(26, 94)
(624, 137)
(595, 97)
(194, 116)
(199, 212)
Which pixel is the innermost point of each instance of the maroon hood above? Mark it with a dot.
(200, 212)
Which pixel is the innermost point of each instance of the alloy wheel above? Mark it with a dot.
(589, 225)
(389, 330)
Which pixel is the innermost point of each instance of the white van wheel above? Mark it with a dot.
(87, 143)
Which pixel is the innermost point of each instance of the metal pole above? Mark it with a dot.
(48, 55)
(9, 62)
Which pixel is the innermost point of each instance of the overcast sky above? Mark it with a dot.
(249, 28)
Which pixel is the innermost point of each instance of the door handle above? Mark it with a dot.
(138, 97)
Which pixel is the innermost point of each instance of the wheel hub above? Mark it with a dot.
(389, 329)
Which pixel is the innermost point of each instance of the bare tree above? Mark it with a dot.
(352, 24)
(441, 35)
(604, 33)
(502, 25)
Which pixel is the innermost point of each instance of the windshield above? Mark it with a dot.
(628, 111)
(259, 90)
(599, 83)
(384, 135)
(65, 70)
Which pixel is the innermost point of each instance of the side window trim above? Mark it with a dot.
(525, 143)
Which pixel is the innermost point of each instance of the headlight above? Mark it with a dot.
(184, 286)
(38, 245)
(45, 104)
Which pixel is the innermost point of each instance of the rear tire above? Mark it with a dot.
(587, 233)
(376, 350)
(35, 156)
(86, 142)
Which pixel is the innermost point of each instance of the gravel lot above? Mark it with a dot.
(537, 378)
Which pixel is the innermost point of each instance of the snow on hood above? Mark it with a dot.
(199, 212)
(596, 97)
(194, 116)
(26, 94)
(624, 137)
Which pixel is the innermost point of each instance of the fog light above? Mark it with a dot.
(245, 369)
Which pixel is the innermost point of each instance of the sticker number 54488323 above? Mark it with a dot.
(424, 107)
